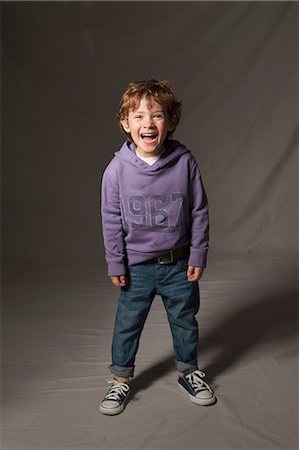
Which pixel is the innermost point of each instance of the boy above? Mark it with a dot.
(155, 229)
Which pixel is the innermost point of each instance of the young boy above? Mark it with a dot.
(155, 229)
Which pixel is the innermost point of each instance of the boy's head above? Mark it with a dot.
(151, 91)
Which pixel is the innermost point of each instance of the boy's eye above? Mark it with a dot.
(137, 116)
(159, 115)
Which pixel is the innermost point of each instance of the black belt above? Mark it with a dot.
(170, 257)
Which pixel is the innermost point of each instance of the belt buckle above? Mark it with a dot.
(168, 258)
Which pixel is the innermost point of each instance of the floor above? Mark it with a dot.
(57, 329)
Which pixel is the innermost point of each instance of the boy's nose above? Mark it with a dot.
(148, 123)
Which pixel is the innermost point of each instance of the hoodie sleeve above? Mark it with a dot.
(113, 233)
(199, 218)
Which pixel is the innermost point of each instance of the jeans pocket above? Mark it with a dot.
(183, 264)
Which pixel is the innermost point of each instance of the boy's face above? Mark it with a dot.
(148, 126)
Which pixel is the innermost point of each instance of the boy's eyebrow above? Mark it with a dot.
(143, 110)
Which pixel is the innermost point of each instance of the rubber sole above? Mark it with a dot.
(111, 411)
(199, 401)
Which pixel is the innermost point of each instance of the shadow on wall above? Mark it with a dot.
(268, 320)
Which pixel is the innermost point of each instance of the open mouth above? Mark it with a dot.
(149, 136)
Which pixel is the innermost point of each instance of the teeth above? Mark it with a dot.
(148, 135)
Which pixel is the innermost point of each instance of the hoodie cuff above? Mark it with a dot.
(116, 269)
(197, 259)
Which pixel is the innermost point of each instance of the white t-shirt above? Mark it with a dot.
(150, 160)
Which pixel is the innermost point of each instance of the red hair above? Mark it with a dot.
(160, 91)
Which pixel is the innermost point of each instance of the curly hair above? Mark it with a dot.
(160, 91)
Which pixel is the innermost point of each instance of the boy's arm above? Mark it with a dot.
(112, 228)
(199, 222)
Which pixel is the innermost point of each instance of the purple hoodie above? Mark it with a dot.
(150, 210)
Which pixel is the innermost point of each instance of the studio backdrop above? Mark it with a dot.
(65, 65)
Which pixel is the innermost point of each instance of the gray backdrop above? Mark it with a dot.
(64, 67)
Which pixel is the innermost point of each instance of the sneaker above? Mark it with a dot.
(198, 390)
(115, 399)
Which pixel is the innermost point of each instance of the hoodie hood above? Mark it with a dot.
(173, 152)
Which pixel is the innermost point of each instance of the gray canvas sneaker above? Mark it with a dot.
(115, 399)
(198, 390)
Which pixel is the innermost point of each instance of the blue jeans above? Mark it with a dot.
(181, 301)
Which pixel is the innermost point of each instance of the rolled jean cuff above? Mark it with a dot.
(119, 371)
(186, 367)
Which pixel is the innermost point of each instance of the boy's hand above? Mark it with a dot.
(194, 273)
(119, 281)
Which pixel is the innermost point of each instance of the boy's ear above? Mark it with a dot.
(171, 126)
(125, 125)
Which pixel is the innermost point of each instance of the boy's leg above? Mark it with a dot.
(134, 304)
(181, 301)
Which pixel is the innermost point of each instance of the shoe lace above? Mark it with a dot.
(196, 380)
(117, 391)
